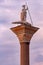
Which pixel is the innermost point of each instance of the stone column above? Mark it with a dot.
(24, 53)
(24, 33)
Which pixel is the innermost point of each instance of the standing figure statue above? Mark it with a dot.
(24, 13)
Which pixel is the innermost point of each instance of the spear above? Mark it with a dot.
(29, 14)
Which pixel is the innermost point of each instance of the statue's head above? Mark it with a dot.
(23, 6)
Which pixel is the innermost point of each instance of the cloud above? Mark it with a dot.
(7, 36)
(2, 29)
(39, 58)
(2, 1)
(9, 55)
(40, 63)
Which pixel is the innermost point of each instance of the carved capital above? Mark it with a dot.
(24, 32)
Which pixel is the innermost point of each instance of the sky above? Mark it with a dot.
(9, 42)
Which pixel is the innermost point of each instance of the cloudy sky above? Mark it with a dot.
(9, 43)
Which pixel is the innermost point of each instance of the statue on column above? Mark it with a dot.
(24, 13)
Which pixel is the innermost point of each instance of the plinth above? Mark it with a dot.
(24, 33)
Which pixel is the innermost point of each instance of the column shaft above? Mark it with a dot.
(24, 55)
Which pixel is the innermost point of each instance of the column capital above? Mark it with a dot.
(24, 32)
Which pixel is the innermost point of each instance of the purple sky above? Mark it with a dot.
(9, 43)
